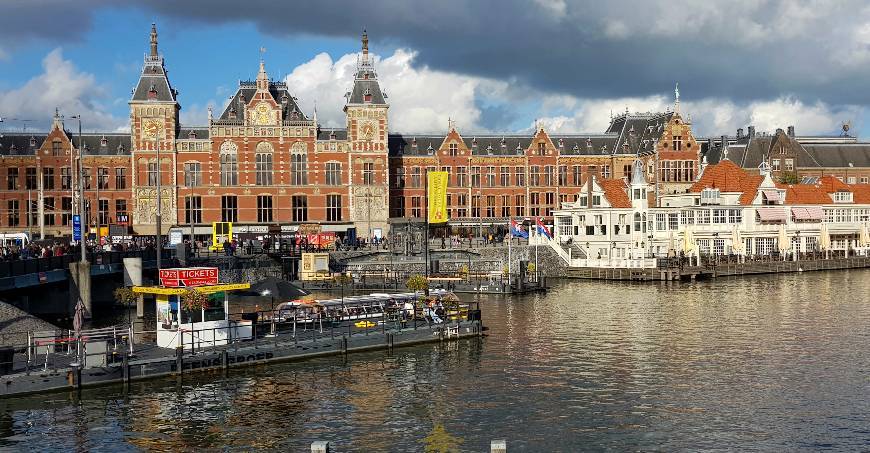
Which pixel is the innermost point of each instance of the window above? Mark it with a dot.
(48, 211)
(368, 173)
(333, 174)
(661, 222)
(504, 176)
(789, 165)
(103, 178)
(454, 149)
(542, 149)
(65, 178)
(520, 204)
(103, 212)
(720, 216)
(55, 148)
(416, 177)
(398, 206)
(120, 178)
(264, 207)
(300, 208)
(774, 164)
(475, 206)
(563, 175)
(33, 211)
(229, 208)
(13, 212)
(192, 174)
(475, 176)
(842, 197)
(536, 203)
(66, 211)
(576, 175)
(673, 220)
(505, 205)
(462, 205)
(550, 200)
(30, 178)
(535, 175)
(605, 171)
(548, 175)
(490, 176)
(263, 169)
(229, 164)
(461, 177)
(48, 178)
(192, 209)
(490, 206)
(735, 216)
(333, 208)
(677, 142)
(416, 205)
(152, 174)
(596, 200)
(12, 178)
(120, 208)
(519, 176)
(86, 178)
(702, 217)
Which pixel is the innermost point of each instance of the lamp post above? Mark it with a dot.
(159, 227)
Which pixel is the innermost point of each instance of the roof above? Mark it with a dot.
(728, 177)
(804, 194)
(331, 134)
(500, 145)
(831, 184)
(193, 132)
(13, 144)
(104, 144)
(835, 155)
(361, 87)
(154, 78)
(614, 191)
(289, 109)
(637, 132)
(860, 193)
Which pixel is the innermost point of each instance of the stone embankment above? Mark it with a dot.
(15, 325)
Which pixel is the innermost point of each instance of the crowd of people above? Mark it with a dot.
(47, 249)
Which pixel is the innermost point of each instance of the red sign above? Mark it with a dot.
(189, 277)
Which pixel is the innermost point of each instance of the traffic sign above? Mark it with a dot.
(77, 228)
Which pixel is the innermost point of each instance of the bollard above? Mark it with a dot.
(498, 446)
(179, 360)
(320, 446)
(125, 363)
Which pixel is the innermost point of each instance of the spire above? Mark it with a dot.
(57, 123)
(677, 98)
(315, 113)
(365, 45)
(262, 77)
(153, 40)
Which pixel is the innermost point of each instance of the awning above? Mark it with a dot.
(813, 213)
(771, 195)
(771, 214)
(339, 228)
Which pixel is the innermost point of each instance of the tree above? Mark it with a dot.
(417, 282)
(193, 300)
(125, 296)
(788, 178)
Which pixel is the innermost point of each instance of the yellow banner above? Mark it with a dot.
(202, 289)
(438, 196)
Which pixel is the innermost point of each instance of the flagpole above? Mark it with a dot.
(426, 239)
(510, 238)
(537, 233)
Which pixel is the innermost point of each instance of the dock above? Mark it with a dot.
(716, 269)
(53, 367)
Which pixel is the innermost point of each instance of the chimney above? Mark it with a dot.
(791, 131)
(751, 132)
(739, 133)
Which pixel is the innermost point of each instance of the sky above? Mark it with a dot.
(493, 66)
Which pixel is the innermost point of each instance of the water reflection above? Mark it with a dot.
(766, 363)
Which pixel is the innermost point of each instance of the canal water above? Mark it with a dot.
(767, 363)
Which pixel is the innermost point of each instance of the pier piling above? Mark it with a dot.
(498, 446)
(320, 446)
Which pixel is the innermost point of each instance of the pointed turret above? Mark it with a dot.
(366, 89)
(153, 40)
(153, 84)
(262, 77)
(57, 122)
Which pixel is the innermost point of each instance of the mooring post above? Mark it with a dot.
(125, 364)
(179, 359)
(498, 446)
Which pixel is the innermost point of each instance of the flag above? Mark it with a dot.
(542, 229)
(437, 196)
(517, 230)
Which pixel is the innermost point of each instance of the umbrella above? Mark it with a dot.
(688, 240)
(671, 243)
(784, 245)
(865, 236)
(78, 322)
(824, 238)
(736, 240)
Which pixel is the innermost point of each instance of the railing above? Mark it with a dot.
(53, 350)
(14, 268)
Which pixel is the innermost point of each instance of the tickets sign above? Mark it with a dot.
(186, 277)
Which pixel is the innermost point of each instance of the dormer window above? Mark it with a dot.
(120, 149)
(710, 196)
(332, 135)
(152, 92)
(561, 144)
(104, 142)
(32, 142)
(589, 144)
(489, 149)
(842, 197)
(542, 149)
(576, 148)
(232, 113)
(503, 144)
(365, 75)
(191, 134)
(430, 150)
(367, 96)
(414, 144)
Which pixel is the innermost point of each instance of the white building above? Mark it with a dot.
(728, 211)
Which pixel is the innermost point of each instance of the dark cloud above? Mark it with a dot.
(738, 50)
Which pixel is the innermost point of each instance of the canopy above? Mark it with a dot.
(277, 288)
(771, 195)
(771, 214)
(812, 213)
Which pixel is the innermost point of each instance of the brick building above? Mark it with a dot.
(263, 162)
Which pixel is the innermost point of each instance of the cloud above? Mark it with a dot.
(63, 86)
(421, 99)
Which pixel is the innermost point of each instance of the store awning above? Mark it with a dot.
(771, 214)
(771, 195)
(813, 213)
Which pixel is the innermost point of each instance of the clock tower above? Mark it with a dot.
(153, 125)
(366, 112)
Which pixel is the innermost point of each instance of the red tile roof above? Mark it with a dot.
(805, 194)
(728, 177)
(614, 191)
(831, 184)
(860, 193)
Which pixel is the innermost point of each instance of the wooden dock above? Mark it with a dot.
(715, 270)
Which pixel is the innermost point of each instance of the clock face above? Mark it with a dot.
(150, 127)
(367, 131)
(263, 114)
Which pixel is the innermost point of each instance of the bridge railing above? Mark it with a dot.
(15, 268)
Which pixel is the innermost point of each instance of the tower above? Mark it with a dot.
(366, 112)
(153, 122)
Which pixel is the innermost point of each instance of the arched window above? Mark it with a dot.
(298, 164)
(263, 164)
(229, 164)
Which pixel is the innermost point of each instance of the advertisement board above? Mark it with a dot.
(187, 277)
